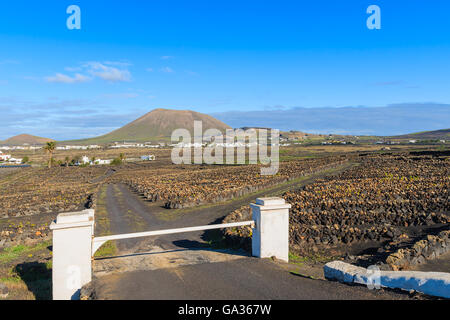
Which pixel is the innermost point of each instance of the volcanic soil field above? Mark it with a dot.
(389, 209)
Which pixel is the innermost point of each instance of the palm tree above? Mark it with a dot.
(50, 148)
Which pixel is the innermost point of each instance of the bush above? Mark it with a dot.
(116, 162)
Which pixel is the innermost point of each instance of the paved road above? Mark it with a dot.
(241, 279)
(182, 267)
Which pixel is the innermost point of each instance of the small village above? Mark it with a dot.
(286, 139)
(8, 160)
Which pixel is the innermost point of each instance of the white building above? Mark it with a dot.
(102, 162)
(15, 161)
(92, 146)
(85, 160)
(4, 157)
(189, 145)
(125, 145)
(148, 158)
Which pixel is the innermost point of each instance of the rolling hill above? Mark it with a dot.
(443, 134)
(25, 139)
(156, 125)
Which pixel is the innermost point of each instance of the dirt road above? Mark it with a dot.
(128, 212)
(184, 266)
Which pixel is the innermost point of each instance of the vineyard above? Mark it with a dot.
(179, 188)
(384, 199)
(379, 198)
(34, 191)
(391, 200)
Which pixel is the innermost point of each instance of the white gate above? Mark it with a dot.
(74, 243)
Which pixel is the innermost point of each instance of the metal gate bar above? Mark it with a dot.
(97, 242)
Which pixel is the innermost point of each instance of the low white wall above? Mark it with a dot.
(431, 283)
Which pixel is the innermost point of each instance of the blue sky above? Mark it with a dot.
(218, 57)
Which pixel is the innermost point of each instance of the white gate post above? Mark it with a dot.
(271, 233)
(72, 247)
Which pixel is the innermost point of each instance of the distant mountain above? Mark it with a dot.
(157, 125)
(391, 120)
(25, 139)
(443, 134)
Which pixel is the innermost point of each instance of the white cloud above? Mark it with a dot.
(62, 78)
(108, 73)
(166, 57)
(167, 70)
(149, 69)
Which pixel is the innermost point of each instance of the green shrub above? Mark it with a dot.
(116, 162)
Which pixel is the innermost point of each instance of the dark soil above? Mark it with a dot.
(406, 200)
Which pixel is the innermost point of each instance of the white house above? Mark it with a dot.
(4, 157)
(76, 147)
(15, 161)
(189, 145)
(102, 162)
(148, 158)
(117, 145)
(85, 160)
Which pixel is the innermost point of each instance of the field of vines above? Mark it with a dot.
(198, 185)
(385, 198)
(381, 197)
(33, 191)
